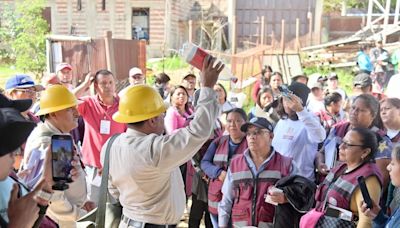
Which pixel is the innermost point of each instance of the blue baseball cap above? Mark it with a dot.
(22, 81)
(259, 122)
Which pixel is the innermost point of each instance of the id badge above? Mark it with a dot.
(105, 126)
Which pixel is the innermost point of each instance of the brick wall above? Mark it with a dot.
(92, 21)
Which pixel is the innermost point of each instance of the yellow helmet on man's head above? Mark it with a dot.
(56, 98)
(138, 103)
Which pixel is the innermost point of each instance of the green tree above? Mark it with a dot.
(336, 5)
(7, 34)
(30, 42)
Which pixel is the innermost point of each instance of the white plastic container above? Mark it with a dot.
(194, 55)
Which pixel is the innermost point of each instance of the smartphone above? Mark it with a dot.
(332, 212)
(364, 191)
(62, 155)
(285, 91)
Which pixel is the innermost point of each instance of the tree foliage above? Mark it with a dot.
(29, 36)
(7, 34)
(336, 5)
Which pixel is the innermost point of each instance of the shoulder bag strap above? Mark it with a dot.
(101, 208)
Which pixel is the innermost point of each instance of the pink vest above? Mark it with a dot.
(339, 192)
(221, 159)
(249, 207)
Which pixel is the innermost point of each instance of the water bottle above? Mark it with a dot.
(194, 55)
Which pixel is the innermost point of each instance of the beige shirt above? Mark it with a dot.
(144, 169)
(65, 206)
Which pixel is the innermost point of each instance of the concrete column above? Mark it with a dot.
(318, 20)
(110, 7)
(69, 17)
(232, 24)
(167, 24)
(91, 19)
(128, 19)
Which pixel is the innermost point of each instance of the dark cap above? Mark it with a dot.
(300, 90)
(14, 130)
(21, 105)
(259, 122)
(362, 80)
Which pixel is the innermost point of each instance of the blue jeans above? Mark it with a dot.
(214, 220)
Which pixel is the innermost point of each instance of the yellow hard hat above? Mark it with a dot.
(56, 98)
(138, 103)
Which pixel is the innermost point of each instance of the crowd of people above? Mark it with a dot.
(295, 157)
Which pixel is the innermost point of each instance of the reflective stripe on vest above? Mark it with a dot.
(249, 207)
(340, 192)
(221, 159)
(265, 175)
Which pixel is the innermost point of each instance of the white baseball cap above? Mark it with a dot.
(134, 71)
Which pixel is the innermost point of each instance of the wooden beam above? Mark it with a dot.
(109, 52)
(396, 12)
(386, 20)
(190, 31)
(369, 15)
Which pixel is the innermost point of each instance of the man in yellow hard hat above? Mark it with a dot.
(144, 164)
(58, 110)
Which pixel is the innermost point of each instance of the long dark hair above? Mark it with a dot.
(264, 79)
(187, 107)
(333, 97)
(264, 89)
(281, 111)
(373, 105)
(223, 88)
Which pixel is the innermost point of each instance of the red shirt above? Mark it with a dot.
(93, 111)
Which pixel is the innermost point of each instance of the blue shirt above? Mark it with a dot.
(225, 206)
(364, 62)
(207, 165)
(382, 220)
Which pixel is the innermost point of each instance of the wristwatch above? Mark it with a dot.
(44, 195)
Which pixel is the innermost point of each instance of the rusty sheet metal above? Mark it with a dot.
(74, 53)
(126, 56)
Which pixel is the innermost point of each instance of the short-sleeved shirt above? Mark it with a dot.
(93, 112)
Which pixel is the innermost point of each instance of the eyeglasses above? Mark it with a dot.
(30, 91)
(347, 145)
(257, 132)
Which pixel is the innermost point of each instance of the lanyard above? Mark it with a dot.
(103, 110)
